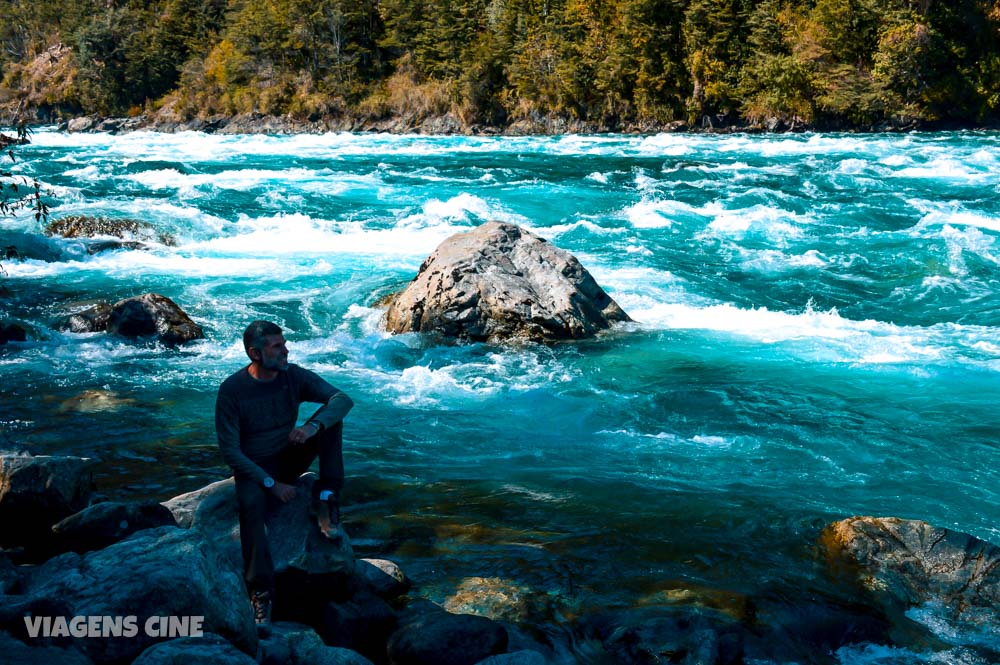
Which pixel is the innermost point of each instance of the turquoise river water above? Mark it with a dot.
(816, 336)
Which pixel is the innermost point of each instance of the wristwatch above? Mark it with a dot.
(269, 482)
(318, 426)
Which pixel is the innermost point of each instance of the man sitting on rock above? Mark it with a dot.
(255, 416)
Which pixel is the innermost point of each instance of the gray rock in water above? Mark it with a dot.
(148, 315)
(688, 636)
(37, 491)
(151, 315)
(501, 282)
(107, 523)
(156, 573)
(428, 635)
(904, 563)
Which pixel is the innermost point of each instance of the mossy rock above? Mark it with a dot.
(83, 226)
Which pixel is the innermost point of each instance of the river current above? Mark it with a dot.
(816, 336)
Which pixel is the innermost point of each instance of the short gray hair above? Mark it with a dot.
(253, 336)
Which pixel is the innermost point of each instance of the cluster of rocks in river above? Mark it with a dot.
(182, 558)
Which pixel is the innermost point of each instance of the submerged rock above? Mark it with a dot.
(148, 315)
(498, 282)
(904, 563)
(686, 636)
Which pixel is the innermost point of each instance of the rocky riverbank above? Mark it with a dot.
(182, 559)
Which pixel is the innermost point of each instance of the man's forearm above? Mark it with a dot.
(333, 411)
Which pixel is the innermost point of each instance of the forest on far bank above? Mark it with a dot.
(828, 64)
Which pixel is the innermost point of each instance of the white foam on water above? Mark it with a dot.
(239, 179)
(823, 336)
(945, 168)
(598, 177)
(777, 225)
(458, 383)
(878, 654)
(775, 261)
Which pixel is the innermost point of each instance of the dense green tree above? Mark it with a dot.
(829, 63)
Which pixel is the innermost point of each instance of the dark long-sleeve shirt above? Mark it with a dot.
(253, 418)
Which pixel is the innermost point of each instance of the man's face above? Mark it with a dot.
(274, 353)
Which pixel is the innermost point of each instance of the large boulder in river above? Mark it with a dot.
(165, 572)
(152, 314)
(499, 281)
(37, 491)
(148, 315)
(905, 563)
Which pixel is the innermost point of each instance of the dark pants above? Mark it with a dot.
(255, 500)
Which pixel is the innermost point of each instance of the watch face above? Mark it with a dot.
(269, 482)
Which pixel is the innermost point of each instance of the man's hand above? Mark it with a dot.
(300, 434)
(285, 493)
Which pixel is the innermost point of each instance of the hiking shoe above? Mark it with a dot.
(260, 601)
(328, 518)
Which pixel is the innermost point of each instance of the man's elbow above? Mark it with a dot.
(344, 403)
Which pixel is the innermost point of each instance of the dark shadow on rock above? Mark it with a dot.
(104, 524)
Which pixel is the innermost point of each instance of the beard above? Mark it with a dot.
(275, 364)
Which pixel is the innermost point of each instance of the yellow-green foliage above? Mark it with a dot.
(833, 62)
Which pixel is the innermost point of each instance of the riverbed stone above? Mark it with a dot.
(38, 490)
(904, 563)
(208, 648)
(160, 572)
(103, 524)
(681, 635)
(499, 282)
(153, 315)
(429, 635)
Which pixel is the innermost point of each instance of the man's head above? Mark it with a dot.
(265, 345)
